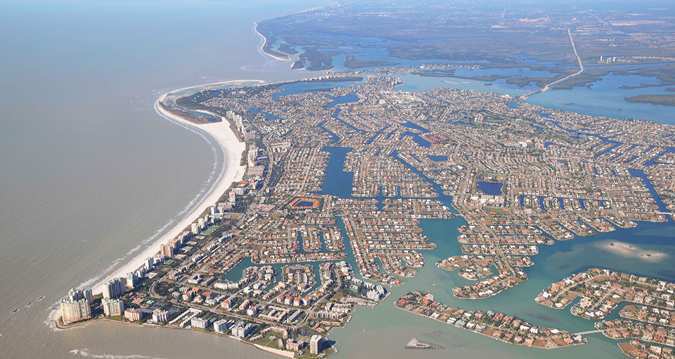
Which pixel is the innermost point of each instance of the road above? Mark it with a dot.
(551, 84)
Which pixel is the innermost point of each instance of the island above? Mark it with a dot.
(665, 100)
(498, 326)
(646, 324)
(321, 206)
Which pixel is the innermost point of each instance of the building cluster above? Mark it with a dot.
(647, 317)
(523, 176)
(337, 182)
(495, 325)
(640, 350)
(76, 306)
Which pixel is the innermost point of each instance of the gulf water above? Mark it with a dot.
(89, 171)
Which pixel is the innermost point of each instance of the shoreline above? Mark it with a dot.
(232, 171)
(483, 334)
(234, 340)
(226, 140)
(231, 148)
(263, 43)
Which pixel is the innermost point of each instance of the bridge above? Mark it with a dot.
(589, 332)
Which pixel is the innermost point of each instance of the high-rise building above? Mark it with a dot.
(200, 323)
(221, 326)
(149, 263)
(74, 310)
(113, 288)
(167, 250)
(243, 329)
(315, 344)
(133, 315)
(76, 306)
(112, 307)
(160, 316)
(77, 294)
(131, 280)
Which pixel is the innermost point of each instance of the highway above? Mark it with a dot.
(551, 84)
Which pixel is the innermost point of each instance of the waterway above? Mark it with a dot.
(604, 97)
(384, 330)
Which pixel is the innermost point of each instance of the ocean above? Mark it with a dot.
(90, 172)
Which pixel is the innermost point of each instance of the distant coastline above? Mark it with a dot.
(265, 47)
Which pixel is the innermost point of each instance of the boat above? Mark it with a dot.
(416, 344)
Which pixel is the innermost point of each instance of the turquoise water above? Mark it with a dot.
(650, 187)
(415, 126)
(382, 331)
(385, 330)
(373, 52)
(419, 140)
(340, 100)
(237, 272)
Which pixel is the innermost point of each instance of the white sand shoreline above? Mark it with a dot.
(231, 171)
(232, 150)
(261, 46)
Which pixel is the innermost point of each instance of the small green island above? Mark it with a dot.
(665, 100)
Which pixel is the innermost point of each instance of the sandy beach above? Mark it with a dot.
(231, 171)
(631, 251)
(261, 46)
